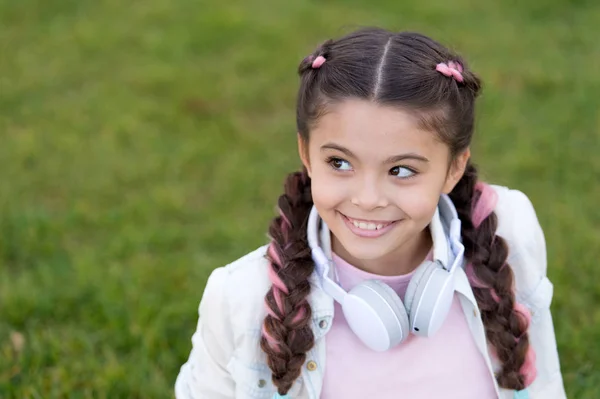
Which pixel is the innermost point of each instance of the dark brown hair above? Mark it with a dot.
(391, 69)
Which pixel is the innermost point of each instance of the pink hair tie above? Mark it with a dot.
(485, 205)
(451, 69)
(320, 60)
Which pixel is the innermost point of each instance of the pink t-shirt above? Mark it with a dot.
(447, 365)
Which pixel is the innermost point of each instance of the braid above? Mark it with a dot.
(506, 322)
(286, 330)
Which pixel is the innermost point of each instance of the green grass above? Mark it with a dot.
(144, 143)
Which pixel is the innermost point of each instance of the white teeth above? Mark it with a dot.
(367, 226)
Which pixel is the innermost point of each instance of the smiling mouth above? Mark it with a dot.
(369, 225)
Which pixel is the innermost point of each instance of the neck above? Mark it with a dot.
(402, 261)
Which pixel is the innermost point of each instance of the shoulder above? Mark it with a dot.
(240, 287)
(248, 274)
(519, 226)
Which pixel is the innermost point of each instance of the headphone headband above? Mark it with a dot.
(442, 233)
(373, 310)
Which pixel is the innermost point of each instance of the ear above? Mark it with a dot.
(457, 170)
(303, 152)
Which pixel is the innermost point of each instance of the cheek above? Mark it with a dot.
(418, 206)
(419, 201)
(327, 190)
(419, 197)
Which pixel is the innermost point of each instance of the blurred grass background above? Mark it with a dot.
(144, 143)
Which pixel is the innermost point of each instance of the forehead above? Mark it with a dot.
(374, 130)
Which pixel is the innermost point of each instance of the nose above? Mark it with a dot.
(369, 194)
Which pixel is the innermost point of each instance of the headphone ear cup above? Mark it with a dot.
(416, 287)
(398, 308)
(390, 325)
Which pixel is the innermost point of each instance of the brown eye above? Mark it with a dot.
(402, 172)
(339, 164)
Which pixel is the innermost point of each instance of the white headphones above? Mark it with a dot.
(374, 311)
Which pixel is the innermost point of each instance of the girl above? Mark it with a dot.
(392, 272)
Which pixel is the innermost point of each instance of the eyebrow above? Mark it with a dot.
(392, 159)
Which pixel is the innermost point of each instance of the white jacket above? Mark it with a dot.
(226, 360)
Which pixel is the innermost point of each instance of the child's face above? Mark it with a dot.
(371, 165)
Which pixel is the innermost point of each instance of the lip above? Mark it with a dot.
(368, 233)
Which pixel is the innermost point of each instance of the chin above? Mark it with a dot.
(363, 249)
